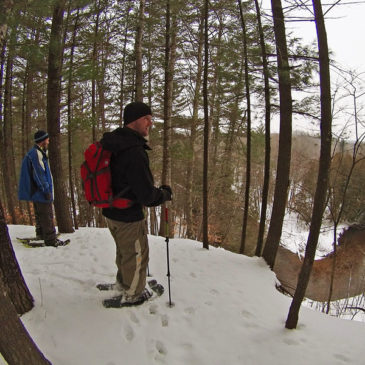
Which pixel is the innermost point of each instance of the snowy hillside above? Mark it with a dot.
(227, 310)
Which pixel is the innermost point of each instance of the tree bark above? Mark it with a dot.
(124, 57)
(265, 188)
(7, 134)
(284, 155)
(61, 203)
(193, 134)
(138, 52)
(12, 284)
(95, 72)
(69, 121)
(248, 145)
(102, 63)
(16, 345)
(10, 272)
(206, 130)
(170, 57)
(324, 165)
(30, 74)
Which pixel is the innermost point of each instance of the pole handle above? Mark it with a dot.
(166, 214)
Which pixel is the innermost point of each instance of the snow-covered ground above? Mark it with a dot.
(295, 234)
(226, 309)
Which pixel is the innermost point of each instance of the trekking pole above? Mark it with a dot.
(148, 271)
(167, 252)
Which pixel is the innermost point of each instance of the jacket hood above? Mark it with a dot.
(122, 139)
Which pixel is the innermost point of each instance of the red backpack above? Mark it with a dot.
(97, 180)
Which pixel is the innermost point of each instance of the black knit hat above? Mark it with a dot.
(134, 111)
(40, 136)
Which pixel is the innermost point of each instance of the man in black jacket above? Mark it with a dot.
(131, 174)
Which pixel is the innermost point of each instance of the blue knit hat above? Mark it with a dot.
(40, 136)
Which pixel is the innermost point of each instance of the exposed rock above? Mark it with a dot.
(349, 279)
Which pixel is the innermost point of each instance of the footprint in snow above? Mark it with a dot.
(161, 348)
(128, 332)
(134, 318)
(246, 314)
(189, 310)
(157, 350)
(153, 309)
(164, 320)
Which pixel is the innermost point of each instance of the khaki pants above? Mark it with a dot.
(131, 254)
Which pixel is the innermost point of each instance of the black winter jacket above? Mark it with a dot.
(129, 166)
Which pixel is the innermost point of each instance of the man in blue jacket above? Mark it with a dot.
(36, 185)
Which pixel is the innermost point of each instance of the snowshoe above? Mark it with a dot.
(30, 242)
(121, 301)
(156, 287)
(108, 286)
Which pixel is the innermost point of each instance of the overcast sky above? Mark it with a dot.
(345, 25)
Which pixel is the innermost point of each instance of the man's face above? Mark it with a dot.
(142, 125)
(44, 144)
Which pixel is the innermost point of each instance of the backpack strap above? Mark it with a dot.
(119, 202)
(121, 193)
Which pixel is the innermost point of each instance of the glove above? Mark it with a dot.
(166, 192)
(48, 196)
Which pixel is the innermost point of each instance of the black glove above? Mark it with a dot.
(48, 196)
(167, 192)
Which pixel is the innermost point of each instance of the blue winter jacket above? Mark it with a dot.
(35, 182)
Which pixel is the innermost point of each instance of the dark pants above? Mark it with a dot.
(44, 222)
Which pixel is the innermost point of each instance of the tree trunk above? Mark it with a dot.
(193, 133)
(25, 207)
(170, 57)
(265, 188)
(206, 131)
(324, 165)
(10, 271)
(61, 203)
(149, 56)
(248, 153)
(95, 72)
(214, 87)
(138, 52)
(2, 63)
(153, 221)
(7, 152)
(333, 269)
(284, 155)
(124, 57)
(28, 109)
(70, 124)
(102, 65)
(16, 345)
(29, 97)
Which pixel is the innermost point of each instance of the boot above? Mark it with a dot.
(55, 243)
